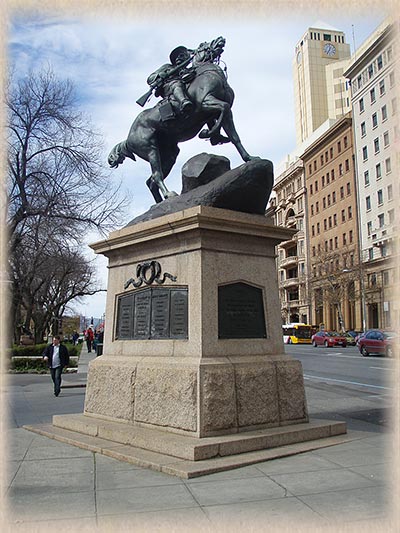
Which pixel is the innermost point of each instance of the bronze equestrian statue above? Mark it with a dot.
(192, 98)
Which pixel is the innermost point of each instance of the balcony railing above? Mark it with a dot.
(288, 261)
(291, 282)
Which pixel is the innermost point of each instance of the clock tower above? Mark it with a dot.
(321, 56)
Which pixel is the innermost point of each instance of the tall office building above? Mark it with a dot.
(321, 93)
(373, 76)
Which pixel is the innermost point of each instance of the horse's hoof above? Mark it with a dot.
(170, 194)
(204, 134)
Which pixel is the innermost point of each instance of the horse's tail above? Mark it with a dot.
(118, 154)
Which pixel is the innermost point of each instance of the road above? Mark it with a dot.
(342, 383)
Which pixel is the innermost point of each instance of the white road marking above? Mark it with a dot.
(306, 376)
(381, 367)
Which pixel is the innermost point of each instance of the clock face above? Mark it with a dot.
(329, 49)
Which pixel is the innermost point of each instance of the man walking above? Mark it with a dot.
(57, 357)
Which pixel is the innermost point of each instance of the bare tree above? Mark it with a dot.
(335, 277)
(58, 190)
(55, 160)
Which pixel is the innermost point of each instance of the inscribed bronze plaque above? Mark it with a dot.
(179, 314)
(153, 313)
(240, 312)
(125, 317)
(142, 315)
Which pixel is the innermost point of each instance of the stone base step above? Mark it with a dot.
(189, 457)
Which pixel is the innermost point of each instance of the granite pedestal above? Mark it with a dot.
(219, 369)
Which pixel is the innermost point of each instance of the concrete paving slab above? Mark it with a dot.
(105, 464)
(57, 466)
(297, 463)
(321, 481)
(56, 450)
(175, 520)
(133, 478)
(349, 505)
(52, 480)
(83, 525)
(44, 504)
(380, 473)
(286, 512)
(235, 491)
(117, 501)
(355, 454)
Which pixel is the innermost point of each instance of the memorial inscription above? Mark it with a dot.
(153, 313)
(240, 312)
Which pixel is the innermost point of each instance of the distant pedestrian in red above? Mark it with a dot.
(89, 339)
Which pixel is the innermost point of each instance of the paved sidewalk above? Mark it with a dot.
(54, 485)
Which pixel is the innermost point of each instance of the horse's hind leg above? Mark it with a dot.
(157, 178)
(154, 190)
(229, 128)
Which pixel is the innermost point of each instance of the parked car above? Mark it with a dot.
(329, 339)
(351, 338)
(377, 341)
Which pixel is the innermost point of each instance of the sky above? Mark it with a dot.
(109, 57)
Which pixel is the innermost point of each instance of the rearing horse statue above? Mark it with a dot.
(155, 139)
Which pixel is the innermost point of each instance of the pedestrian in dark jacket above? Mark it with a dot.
(57, 357)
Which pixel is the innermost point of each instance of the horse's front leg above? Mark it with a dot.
(211, 104)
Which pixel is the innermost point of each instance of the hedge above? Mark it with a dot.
(38, 349)
(34, 364)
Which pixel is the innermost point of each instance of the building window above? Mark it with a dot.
(335, 219)
(366, 177)
(384, 113)
(347, 165)
(316, 186)
(329, 200)
(334, 197)
(332, 175)
(341, 193)
(351, 236)
(381, 220)
(380, 196)
(390, 192)
(368, 203)
(378, 171)
(315, 165)
(363, 129)
(391, 216)
(386, 139)
(336, 242)
(376, 145)
(348, 188)
(370, 254)
(327, 178)
(340, 169)
(313, 231)
(389, 53)
(365, 153)
(374, 120)
(379, 62)
(322, 160)
(344, 239)
(349, 212)
(331, 152)
(317, 207)
(318, 228)
(343, 215)
(324, 202)
(326, 156)
(370, 71)
(311, 189)
(325, 226)
(382, 87)
(345, 141)
(391, 79)
(312, 210)
(372, 95)
(361, 105)
(322, 181)
(369, 228)
(330, 222)
(394, 106)
(339, 147)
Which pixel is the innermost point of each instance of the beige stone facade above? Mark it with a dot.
(334, 266)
